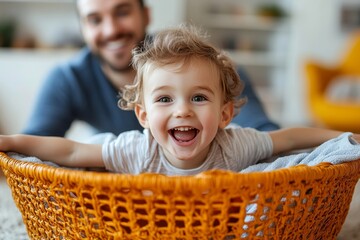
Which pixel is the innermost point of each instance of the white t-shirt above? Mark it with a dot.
(232, 149)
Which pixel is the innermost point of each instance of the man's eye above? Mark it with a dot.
(164, 99)
(199, 98)
(93, 21)
(123, 12)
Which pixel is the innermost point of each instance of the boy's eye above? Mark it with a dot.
(164, 99)
(199, 98)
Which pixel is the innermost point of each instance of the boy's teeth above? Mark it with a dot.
(184, 134)
(183, 128)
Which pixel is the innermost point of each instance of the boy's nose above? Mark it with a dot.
(183, 110)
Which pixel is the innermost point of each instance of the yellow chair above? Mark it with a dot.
(344, 116)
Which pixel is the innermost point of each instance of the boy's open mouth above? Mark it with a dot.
(183, 134)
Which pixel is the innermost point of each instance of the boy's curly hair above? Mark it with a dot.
(176, 45)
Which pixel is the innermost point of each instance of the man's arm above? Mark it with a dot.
(55, 149)
(252, 114)
(52, 113)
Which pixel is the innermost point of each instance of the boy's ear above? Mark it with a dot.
(141, 115)
(227, 114)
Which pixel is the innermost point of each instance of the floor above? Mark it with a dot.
(350, 229)
(12, 228)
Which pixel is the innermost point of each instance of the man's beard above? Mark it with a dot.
(125, 68)
(112, 67)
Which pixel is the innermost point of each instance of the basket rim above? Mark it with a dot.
(210, 178)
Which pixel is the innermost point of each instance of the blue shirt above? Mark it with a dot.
(79, 90)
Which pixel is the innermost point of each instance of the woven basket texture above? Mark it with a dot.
(300, 202)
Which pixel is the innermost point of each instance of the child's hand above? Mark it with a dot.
(4, 143)
(356, 137)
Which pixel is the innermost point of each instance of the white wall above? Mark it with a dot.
(21, 74)
(165, 13)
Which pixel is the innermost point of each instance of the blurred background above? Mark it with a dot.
(272, 40)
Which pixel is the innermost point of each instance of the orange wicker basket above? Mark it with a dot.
(300, 202)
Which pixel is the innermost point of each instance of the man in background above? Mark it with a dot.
(86, 87)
